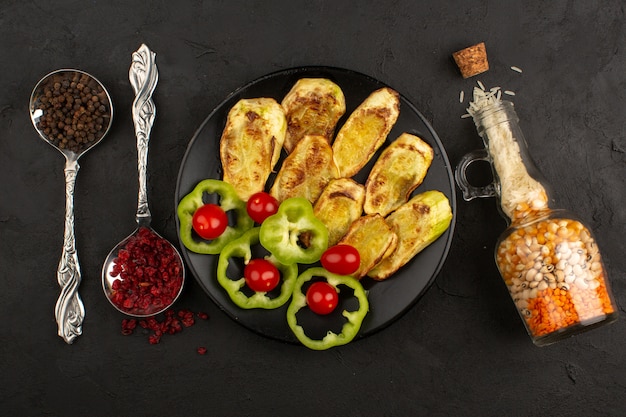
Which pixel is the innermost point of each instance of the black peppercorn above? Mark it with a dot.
(74, 110)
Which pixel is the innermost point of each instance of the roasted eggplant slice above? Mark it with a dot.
(313, 106)
(373, 238)
(399, 170)
(365, 131)
(418, 223)
(251, 143)
(306, 171)
(338, 206)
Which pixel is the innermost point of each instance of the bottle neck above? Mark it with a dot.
(521, 188)
(493, 114)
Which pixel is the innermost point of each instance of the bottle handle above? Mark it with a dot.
(470, 191)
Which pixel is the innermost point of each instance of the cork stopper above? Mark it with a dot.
(472, 60)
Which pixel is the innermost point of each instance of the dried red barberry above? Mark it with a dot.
(171, 322)
(128, 326)
(202, 350)
(149, 274)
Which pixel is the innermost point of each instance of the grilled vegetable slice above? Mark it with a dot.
(418, 223)
(400, 169)
(365, 131)
(313, 106)
(251, 143)
(373, 238)
(339, 205)
(306, 171)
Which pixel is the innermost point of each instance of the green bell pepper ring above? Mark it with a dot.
(294, 234)
(228, 201)
(242, 248)
(354, 318)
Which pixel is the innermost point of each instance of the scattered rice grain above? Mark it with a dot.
(481, 85)
(461, 96)
(516, 69)
(509, 92)
(481, 99)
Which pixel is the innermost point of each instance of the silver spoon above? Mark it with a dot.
(69, 126)
(154, 294)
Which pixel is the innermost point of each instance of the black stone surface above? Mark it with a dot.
(460, 351)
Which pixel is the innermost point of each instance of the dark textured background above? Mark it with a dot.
(461, 351)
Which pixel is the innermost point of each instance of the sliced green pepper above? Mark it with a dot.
(355, 318)
(242, 248)
(294, 234)
(228, 201)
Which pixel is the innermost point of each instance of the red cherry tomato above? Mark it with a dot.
(261, 275)
(322, 298)
(341, 259)
(209, 221)
(261, 205)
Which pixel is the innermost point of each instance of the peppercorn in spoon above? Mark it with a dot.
(143, 275)
(72, 111)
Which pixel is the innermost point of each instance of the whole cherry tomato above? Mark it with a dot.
(341, 259)
(209, 221)
(261, 205)
(322, 298)
(261, 275)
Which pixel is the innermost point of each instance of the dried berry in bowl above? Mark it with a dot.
(147, 275)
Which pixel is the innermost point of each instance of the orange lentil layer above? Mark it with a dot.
(555, 309)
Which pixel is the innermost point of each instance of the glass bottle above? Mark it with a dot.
(548, 258)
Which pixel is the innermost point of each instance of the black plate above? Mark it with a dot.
(388, 299)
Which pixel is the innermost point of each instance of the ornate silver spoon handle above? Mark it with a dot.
(143, 75)
(69, 310)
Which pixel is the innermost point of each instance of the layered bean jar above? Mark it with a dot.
(548, 258)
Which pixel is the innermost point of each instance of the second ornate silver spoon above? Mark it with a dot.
(143, 275)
